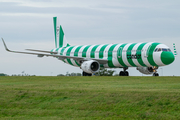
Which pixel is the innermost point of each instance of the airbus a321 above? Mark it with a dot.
(147, 57)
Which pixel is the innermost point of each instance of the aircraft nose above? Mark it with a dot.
(167, 57)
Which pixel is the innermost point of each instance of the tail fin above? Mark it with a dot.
(59, 35)
(175, 51)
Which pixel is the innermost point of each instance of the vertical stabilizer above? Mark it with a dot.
(60, 40)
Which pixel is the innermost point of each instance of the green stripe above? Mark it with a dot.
(110, 55)
(55, 21)
(120, 52)
(57, 49)
(85, 51)
(68, 54)
(101, 52)
(93, 51)
(61, 37)
(62, 50)
(101, 65)
(129, 52)
(77, 50)
(167, 58)
(77, 63)
(139, 53)
(150, 53)
(69, 51)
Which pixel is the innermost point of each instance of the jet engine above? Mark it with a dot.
(146, 70)
(90, 66)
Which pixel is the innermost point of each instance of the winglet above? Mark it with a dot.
(5, 45)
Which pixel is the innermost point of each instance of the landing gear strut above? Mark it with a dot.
(155, 71)
(124, 73)
(86, 74)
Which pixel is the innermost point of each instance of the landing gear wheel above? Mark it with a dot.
(155, 74)
(86, 74)
(124, 73)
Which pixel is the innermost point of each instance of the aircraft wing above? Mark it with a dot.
(54, 54)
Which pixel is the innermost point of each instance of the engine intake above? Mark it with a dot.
(90, 66)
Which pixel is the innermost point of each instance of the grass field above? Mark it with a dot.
(90, 98)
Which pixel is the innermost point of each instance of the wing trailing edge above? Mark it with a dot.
(54, 54)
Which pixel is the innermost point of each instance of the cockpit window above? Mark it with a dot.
(162, 49)
(159, 49)
(156, 50)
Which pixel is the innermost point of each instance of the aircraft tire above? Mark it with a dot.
(126, 73)
(122, 73)
(86, 74)
(155, 74)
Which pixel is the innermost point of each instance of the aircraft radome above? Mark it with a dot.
(147, 57)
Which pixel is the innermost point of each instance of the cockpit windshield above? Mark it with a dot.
(162, 49)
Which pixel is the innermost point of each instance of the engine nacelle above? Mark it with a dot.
(90, 66)
(146, 70)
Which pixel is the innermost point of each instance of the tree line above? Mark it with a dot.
(102, 72)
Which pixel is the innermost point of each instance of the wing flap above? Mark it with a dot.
(42, 51)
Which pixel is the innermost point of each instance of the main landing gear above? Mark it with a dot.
(86, 74)
(124, 73)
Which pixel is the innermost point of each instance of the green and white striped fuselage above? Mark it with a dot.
(120, 55)
(147, 57)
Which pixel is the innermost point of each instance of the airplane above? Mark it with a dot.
(147, 57)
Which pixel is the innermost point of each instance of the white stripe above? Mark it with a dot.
(105, 53)
(144, 57)
(59, 50)
(157, 55)
(97, 51)
(106, 66)
(64, 41)
(72, 54)
(64, 53)
(73, 62)
(124, 55)
(114, 56)
(81, 50)
(88, 53)
(134, 50)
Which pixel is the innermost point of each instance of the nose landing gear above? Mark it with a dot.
(155, 74)
(155, 71)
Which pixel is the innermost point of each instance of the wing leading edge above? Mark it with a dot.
(54, 54)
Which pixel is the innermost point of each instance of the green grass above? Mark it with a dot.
(90, 98)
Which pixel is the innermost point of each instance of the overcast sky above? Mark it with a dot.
(29, 24)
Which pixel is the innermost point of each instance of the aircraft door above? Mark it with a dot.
(146, 51)
(119, 52)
